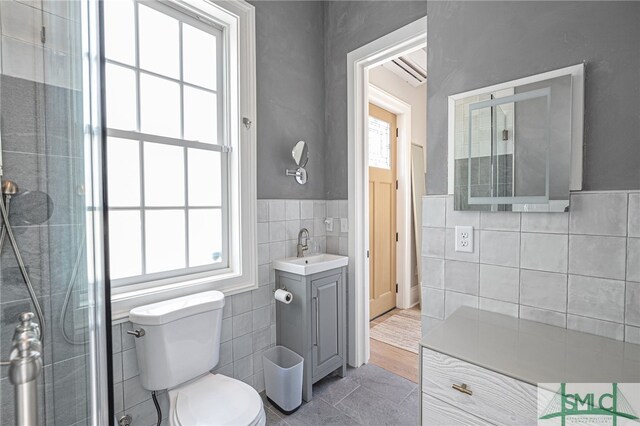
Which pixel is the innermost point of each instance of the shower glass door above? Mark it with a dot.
(48, 145)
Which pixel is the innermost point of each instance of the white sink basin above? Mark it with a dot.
(310, 264)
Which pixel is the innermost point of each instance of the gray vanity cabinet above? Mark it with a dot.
(313, 324)
(325, 319)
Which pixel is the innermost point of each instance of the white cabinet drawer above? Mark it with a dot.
(494, 397)
(438, 413)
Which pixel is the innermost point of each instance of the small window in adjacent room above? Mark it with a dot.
(379, 143)
(179, 78)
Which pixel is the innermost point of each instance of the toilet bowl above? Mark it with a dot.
(177, 345)
(215, 399)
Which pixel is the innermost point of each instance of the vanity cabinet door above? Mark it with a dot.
(327, 322)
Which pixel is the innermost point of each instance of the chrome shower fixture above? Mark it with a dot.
(9, 187)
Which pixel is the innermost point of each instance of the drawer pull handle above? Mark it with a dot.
(462, 388)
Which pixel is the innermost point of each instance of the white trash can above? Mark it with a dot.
(283, 378)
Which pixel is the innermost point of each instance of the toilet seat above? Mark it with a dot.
(215, 399)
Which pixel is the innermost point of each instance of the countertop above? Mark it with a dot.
(533, 352)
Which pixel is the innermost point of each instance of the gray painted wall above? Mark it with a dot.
(302, 50)
(348, 26)
(290, 92)
(476, 44)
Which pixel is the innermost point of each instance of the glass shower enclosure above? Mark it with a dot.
(49, 134)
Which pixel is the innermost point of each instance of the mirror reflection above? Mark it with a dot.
(300, 153)
(513, 146)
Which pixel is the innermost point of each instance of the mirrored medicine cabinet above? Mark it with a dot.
(517, 146)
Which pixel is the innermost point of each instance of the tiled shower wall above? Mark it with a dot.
(579, 270)
(248, 325)
(42, 149)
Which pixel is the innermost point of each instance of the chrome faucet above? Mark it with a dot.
(302, 247)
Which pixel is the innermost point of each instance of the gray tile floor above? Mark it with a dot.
(368, 395)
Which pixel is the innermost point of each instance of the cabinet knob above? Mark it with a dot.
(463, 388)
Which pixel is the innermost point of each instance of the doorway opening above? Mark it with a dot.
(382, 266)
(396, 139)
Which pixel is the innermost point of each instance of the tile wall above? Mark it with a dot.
(337, 238)
(42, 149)
(248, 326)
(579, 270)
(57, 61)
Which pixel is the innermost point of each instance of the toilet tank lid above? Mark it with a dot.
(174, 309)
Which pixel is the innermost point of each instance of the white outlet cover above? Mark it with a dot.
(329, 224)
(464, 239)
(344, 224)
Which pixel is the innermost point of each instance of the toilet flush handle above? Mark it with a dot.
(136, 333)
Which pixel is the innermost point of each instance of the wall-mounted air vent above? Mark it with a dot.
(411, 67)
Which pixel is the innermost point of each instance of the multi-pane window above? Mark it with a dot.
(167, 148)
(379, 143)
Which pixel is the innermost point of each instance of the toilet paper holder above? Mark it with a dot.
(283, 295)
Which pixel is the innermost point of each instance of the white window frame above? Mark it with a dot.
(222, 146)
(237, 20)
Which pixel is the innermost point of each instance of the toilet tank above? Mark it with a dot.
(181, 338)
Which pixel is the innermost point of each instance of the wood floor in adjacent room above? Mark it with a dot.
(391, 358)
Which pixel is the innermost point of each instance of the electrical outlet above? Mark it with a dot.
(464, 239)
(344, 224)
(329, 224)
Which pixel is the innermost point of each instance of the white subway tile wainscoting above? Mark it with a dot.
(579, 270)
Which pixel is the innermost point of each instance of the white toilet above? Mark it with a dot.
(179, 346)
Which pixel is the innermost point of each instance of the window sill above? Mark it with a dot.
(123, 301)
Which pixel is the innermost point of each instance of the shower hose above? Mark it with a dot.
(7, 230)
(67, 296)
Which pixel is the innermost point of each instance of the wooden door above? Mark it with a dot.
(382, 211)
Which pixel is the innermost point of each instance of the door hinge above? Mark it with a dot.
(367, 254)
(396, 237)
(43, 35)
(397, 132)
(396, 184)
(396, 288)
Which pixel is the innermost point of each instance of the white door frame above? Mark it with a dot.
(359, 61)
(402, 110)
